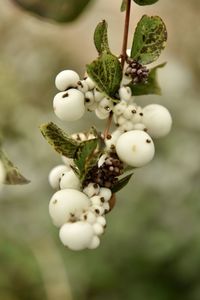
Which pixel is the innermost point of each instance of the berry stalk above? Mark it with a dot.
(122, 56)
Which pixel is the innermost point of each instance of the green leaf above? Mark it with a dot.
(86, 157)
(101, 37)
(60, 11)
(123, 5)
(121, 183)
(149, 40)
(106, 71)
(152, 87)
(145, 2)
(57, 138)
(13, 176)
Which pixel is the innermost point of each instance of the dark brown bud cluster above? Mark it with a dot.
(138, 72)
(107, 174)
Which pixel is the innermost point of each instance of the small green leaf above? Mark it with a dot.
(13, 175)
(86, 157)
(57, 138)
(149, 40)
(106, 71)
(101, 37)
(121, 183)
(152, 87)
(145, 2)
(123, 5)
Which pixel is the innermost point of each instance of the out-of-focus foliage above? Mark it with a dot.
(151, 249)
(58, 10)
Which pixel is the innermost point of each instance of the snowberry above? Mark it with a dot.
(157, 120)
(96, 200)
(66, 79)
(70, 180)
(105, 105)
(91, 189)
(82, 86)
(94, 243)
(90, 83)
(88, 216)
(130, 111)
(125, 93)
(101, 220)
(114, 137)
(89, 99)
(97, 209)
(121, 120)
(76, 236)
(127, 126)
(106, 207)
(69, 106)
(120, 108)
(101, 115)
(135, 148)
(139, 126)
(98, 229)
(67, 204)
(2, 173)
(56, 174)
(105, 193)
(98, 96)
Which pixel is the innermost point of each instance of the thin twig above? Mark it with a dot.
(122, 56)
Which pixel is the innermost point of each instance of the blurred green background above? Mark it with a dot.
(151, 249)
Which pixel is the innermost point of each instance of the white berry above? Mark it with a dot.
(89, 216)
(76, 236)
(94, 243)
(98, 96)
(125, 93)
(91, 189)
(98, 229)
(67, 204)
(105, 193)
(135, 148)
(82, 86)
(90, 83)
(56, 174)
(101, 115)
(96, 200)
(66, 79)
(70, 180)
(119, 108)
(157, 120)
(69, 105)
(101, 220)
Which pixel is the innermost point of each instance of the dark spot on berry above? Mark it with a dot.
(95, 185)
(55, 201)
(141, 114)
(65, 95)
(87, 100)
(102, 199)
(145, 129)
(133, 111)
(148, 141)
(109, 136)
(97, 211)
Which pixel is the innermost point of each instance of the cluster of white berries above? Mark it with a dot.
(76, 96)
(80, 215)
(80, 211)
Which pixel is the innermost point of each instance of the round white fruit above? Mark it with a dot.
(70, 180)
(66, 79)
(105, 193)
(98, 229)
(91, 189)
(69, 105)
(157, 120)
(90, 83)
(101, 220)
(101, 115)
(125, 93)
(76, 236)
(67, 204)
(56, 174)
(94, 243)
(135, 148)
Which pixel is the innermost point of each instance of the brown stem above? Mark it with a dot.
(123, 57)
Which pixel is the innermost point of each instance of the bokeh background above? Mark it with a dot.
(151, 249)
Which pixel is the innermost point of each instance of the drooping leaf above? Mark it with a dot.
(121, 183)
(123, 5)
(60, 11)
(106, 71)
(13, 175)
(145, 2)
(149, 40)
(60, 141)
(87, 156)
(152, 87)
(101, 37)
